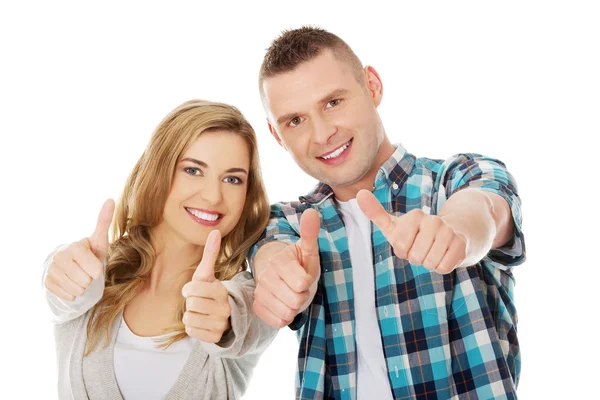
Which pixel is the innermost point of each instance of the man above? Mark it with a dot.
(400, 284)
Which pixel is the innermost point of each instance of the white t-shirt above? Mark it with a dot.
(144, 371)
(372, 375)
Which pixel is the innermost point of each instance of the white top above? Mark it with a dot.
(372, 376)
(143, 371)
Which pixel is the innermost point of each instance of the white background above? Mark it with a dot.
(82, 87)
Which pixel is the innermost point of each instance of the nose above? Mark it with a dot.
(323, 130)
(211, 192)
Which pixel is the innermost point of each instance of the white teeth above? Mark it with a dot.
(337, 152)
(203, 215)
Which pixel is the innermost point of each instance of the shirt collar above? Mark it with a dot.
(393, 173)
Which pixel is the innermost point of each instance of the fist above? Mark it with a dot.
(287, 283)
(206, 299)
(73, 268)
(420, 238)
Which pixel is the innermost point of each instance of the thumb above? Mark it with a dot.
(206, 269)
(99, 239)
(373, 209)
(310, 224)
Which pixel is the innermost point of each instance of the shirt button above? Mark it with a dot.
(385, 311)
(395, 186)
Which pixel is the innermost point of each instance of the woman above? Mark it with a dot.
(130, 333)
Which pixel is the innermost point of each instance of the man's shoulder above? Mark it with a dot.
(439, 165)
(287, 207)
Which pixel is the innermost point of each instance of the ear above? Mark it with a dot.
(276, 135)
(374, 84)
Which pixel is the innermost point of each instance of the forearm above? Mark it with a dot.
(483, 218)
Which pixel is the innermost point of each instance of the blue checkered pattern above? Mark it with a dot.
(444, 336)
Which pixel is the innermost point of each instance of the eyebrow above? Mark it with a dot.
(205, 165)
(329, 96)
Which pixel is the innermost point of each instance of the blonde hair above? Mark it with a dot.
(131, 256)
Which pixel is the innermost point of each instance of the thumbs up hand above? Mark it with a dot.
(207, 300)
(74, 267)
(289, 273)
(420, 238)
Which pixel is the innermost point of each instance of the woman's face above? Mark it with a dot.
(209, 187)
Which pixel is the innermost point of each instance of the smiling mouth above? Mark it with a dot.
(204, 216)
(337, 152)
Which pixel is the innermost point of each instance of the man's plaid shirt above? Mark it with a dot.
(444, 336)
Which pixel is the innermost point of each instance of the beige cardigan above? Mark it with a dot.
(211, 372)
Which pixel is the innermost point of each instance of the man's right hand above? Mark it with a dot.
(74, 267)
(287, 274)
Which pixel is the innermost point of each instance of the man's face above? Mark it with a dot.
(326, 118)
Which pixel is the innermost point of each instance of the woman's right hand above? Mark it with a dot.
(73, 268)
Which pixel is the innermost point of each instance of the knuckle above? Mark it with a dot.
(415, 258)
(447, 231)
(428, 264)
(401, 249)
(215, 337)
(280, 323)
(190, 303)
(289, 314)
(434, 220)
(223, 325)
(59, 258)
(296, 303)
(87, 280)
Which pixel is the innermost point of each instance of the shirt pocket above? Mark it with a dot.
(433, 297)
(437, 292)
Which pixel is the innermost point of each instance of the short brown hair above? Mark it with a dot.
(296, 46)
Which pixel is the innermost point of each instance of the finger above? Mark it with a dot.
(207, 290)
(207, 322)
(203, 334)
(278, 288)
(200, 305)
(76, 273)
(58, 291)
(428, 229)
(373, 209)
(291, 272)
(207, 306)
(276, 306)
(64, 282)
(99, 238)
(310, 224)
(403, 237)
(438, 249)
(82, 255)
(454, 256)
(268, 317)
(206, 269)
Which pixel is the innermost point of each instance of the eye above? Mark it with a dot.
(333, 103)
(192, 171)
(234, 180)
(295, 121)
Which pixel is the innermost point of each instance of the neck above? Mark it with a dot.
(175, 262)
(367, 182)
